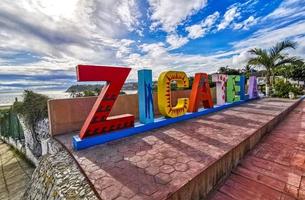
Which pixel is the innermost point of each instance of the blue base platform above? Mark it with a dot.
(79, 144)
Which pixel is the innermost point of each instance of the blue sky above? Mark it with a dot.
(42, 41)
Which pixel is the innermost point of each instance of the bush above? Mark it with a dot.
(282, 89)
(33, 108)
(3, 115)
(297, 90)
(89, 93)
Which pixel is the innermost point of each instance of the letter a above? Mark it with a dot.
(200, 92)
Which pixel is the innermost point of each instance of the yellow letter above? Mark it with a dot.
(164, 94)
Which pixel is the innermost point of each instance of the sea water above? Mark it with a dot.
(8, 98)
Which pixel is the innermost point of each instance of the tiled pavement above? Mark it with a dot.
(275, 169)
(15, 173)
(155, 164)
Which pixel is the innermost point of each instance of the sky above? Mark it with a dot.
(41, 41)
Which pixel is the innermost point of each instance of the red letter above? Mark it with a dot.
(200, 92)
(98, 121)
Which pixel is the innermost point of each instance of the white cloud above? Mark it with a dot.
(195, 31)
(288, 9)
(129, 13)
(246, 24)
(92, 26)
(58, 35)
(241, 59)
(229, 16)
(61, 34)
(266, 38)
(170, 13)
(199, 30)
(154, 49)
(124, 48)
(176, 41)
(158, 59)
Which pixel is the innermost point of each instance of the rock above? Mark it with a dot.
(57, 176)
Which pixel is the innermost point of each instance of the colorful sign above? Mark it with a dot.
(98, 120)
(201, 92)
(233, 88)
(252, 90)
(164, 94)
(99, 127)
(145, 96)
(220, 80)
(242, 85)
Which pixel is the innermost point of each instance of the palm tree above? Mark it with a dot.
(247, 70)
(297, 71)
(272, 58)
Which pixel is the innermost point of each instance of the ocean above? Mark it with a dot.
(7, 99)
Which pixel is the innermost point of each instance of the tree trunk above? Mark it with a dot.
(267, 89)
(267, 84)
(273, 80)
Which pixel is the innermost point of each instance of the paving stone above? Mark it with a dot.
(155, 164)
(181, 167)
(13, 176)
(163, 178)
(274, 169)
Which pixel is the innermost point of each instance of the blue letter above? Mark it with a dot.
(242, 93)
(145, 95)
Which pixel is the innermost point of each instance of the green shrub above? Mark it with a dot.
(3, 115)
(33, 108)
(297, 90)
(89, 93)
(282, 89)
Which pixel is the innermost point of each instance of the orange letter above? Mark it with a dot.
(200, 92)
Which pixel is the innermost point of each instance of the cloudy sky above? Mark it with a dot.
(41, 41)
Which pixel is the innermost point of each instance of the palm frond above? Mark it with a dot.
(258, 52)
(279, 47)
(261, 58)
(288, 60)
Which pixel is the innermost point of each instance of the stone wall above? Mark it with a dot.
(36, 144)
(32, 145)
(58, 177)
(17, 144)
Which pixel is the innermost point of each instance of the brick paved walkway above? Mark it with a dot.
(158, 163)
(15, 173)
(275, 169)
